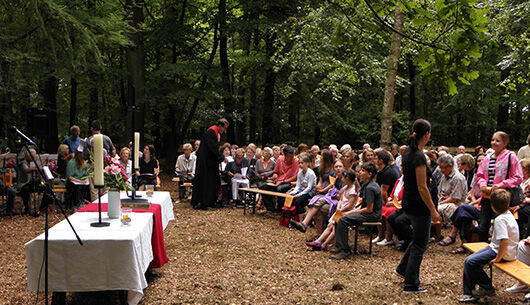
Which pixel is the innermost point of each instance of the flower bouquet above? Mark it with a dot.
(115, 176)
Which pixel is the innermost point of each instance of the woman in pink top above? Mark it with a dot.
(493, 174)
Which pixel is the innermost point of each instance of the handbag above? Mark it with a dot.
(515, 192)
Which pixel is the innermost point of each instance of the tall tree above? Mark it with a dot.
(390, 84)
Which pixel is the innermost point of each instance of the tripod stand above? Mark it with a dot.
(48, 191)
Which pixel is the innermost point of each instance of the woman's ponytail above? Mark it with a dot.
(419, 129)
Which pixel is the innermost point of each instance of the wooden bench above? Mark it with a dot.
(371, 226)
(516, 269)
(250, 200)
(186, 185)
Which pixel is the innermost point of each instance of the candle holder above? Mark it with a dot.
(100, 223)
(133, 197)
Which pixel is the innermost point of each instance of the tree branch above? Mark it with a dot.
(402, 34)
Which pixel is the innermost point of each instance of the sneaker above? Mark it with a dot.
(399, 243)
(385, 242)
(481, 292)
(342, 254)
(300, 226)
(527, 296)
(312, 244)
(516, 288)
(376, 240)
(399, 274)
(466, 298)
(419, 290)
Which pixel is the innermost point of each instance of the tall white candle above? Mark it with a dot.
(98, 160)
(136, 150)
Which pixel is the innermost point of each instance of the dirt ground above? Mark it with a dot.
(223, 257)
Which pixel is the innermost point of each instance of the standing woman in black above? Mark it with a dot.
(417, 205)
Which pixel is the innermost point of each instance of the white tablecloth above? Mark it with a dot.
(112, 258)
(161, 198)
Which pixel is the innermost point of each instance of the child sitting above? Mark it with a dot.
(305, 184)
(503, 246)
(347, 200)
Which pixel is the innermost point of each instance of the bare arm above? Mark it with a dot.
(502, 249)
(366, 210)
(421, 180)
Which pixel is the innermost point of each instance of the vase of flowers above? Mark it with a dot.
(116, 180)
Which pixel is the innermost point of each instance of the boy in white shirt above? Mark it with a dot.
(503, 246)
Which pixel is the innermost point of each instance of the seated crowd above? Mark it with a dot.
(335, 189)
(72, 171)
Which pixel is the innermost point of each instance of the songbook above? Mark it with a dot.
(288, 201)
(84, 182)
(337, 216)
(396, 203)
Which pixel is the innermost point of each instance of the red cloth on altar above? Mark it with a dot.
(157, 239)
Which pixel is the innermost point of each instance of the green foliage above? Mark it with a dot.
(329, 60)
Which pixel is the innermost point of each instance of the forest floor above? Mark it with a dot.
(223, 257)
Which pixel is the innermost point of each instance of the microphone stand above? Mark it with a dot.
(48, 191)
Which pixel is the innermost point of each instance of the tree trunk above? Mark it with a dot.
(49, 93)
(412, 88)
(5, 101)
(268, 95)
(94, 104)
(390, 84)
(136, 64)
(73, 101)
(503, 112)
(252, 108)
(225, 75)
(241, 94)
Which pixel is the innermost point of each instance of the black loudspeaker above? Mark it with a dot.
(38, 122)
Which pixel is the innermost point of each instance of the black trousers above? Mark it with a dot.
(401, 225)
(486, 215)
(267, 200)
(301, 202)
(524, 222)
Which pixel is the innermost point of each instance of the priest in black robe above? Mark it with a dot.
(207, 181)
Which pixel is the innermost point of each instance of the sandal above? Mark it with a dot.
(435, 239)
(444, 243)
(459, 250)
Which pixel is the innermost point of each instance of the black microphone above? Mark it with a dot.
(23, 136)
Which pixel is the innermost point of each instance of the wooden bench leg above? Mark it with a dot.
(59, 298)
(355, 242)
(370, 241)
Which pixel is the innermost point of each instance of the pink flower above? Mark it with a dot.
(107, 169)
(114, 169)
(125, 175)
(115, 160)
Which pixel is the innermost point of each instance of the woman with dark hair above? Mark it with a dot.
(325, 171)
(148, 168)
(479, 150)
(493, 174)
(417, 205)
(76, 178)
